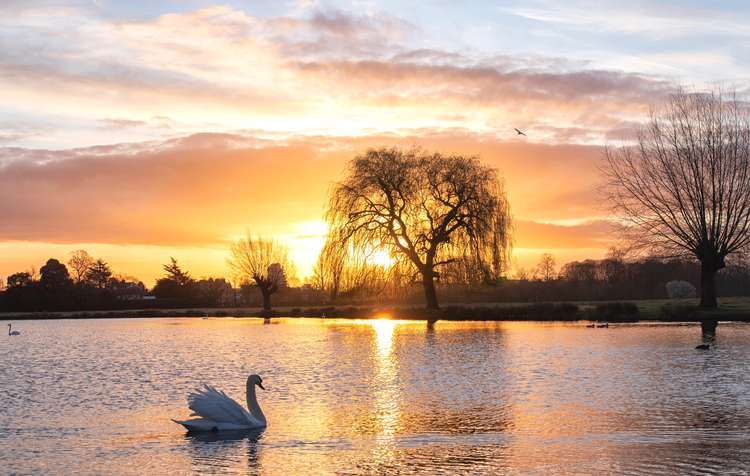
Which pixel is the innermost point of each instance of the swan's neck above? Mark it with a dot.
(252, 403)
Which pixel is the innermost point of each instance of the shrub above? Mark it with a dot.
(677, 289)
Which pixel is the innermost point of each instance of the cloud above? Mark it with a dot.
(196, 190)
(325, 72)
(204, 188)
(658, 19)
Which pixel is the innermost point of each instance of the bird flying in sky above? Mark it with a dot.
(519, 132)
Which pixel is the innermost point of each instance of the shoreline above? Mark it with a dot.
(615, 312)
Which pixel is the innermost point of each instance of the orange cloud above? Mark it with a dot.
(203, 190)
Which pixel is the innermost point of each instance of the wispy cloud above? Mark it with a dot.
(327, 72)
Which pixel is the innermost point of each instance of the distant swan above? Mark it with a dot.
(13, 333)
(217, 411)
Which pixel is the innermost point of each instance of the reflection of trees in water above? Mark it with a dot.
(708, 331)
(219, 451)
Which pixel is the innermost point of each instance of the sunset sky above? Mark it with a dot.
(141, 130)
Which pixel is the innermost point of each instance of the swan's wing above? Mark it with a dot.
(215, 405)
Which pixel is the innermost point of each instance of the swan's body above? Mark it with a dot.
(217, 411)
(12, 333)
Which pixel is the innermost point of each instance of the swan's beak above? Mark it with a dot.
(261, 386)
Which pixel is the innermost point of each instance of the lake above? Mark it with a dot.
(377, 397)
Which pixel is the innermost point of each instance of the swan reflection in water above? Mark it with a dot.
(225, 449)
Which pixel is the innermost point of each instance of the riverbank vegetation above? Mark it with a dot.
(730, 309)
(614, 278)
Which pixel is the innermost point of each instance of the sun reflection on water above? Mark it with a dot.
(387, 395)
(384, 334)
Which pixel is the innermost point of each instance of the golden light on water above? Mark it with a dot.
(384, 328)
(387, 395)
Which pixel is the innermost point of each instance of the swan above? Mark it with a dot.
(13, 333)
(217, 411)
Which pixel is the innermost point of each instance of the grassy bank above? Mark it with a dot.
(730, 309)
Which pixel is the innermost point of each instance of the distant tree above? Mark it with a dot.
(19, 280)
(177, 286)
(684, 188)
(55, 286)
(175, 273)
(547, 267)
(98, 274)
(277, 274)
(522, 274)
(54, 275)
(80, 262)
(262, 262)
(213, 291)
(428, 210)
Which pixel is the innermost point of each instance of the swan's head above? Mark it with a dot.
(255, 380)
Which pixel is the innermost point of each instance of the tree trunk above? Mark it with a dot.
(708, 285)
(266, 299)
(428, 282)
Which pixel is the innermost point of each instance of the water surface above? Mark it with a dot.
(376, 397)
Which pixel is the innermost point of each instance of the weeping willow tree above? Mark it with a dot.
(348, 271)
(428, 210)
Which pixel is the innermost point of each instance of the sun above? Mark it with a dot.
(382, 258)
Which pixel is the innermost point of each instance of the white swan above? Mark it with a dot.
(217, 411)
(14, 333)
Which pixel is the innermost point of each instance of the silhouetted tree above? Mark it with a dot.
(426, 209)
(213, 291)
(342, 269)
(546, 269)
(262, 262)
(684, 189)
(56, 286)
(175, 273)
(80, 262)
(329, 269)
(54, 275)
(177, 287)
(99, 274)
(19, 280)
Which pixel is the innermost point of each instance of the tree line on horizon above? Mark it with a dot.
(89, 284)
(680, 195)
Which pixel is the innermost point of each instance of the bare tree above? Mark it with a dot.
(80, 262)
(262, 262)
(684, 188)
(426, 209)
(547, 267)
